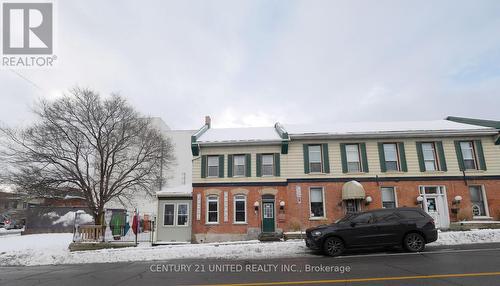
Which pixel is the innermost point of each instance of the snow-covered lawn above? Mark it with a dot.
(42, 249)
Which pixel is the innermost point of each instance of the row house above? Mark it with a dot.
(248, 181)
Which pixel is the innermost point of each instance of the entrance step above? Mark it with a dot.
(270, 236)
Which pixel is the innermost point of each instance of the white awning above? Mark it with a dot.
(353, 190)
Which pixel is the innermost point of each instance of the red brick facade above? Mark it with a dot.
(296, 215)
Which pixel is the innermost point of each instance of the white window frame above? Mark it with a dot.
(434, 155)
(236, 199)
(272, 165)
(174, 218)
(208, 199)
(177, 215)
(324, 204)
(244, 165)
(395, 195)
(360, 167)
(320, 157)
(398, 159)
(474, 155)
(208, 166)
(485, 201)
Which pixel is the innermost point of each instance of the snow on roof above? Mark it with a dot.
(244, 134)
(382, 127)
(182, 191)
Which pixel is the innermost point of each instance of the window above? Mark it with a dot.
(411, 214)
(213, 166)
(469, 155)
(479, 207)
(429, 154)
(388, 197)
(431, 190)
(352, 206)
(169, 214)
(317, 206)
(386, 216)
(363, 218)
(240, 214)
(391, 157)
(315, 164)
(239, 165)
(182, 215)
(267, 165)
(353, 159)
(213, 209)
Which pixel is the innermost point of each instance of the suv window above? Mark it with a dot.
(363, 218)
(386, 217)
(411, 214)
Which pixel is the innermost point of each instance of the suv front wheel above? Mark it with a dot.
(333, 246)
(414, 242)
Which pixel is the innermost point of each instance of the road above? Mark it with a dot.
(458, 265)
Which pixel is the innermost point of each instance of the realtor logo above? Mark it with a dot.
(27, 28)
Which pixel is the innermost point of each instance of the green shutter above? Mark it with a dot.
(230, 162)
(258, 170)
(364, 157)
(343, 157)
(204, 166)
(442, 159)
(381, 156)
(402, 156)
(326, 161)
(277, 170)
(221, 166)
(306, 158)
(420, 155)
(480, 154)
(248, 168)
(460, 157)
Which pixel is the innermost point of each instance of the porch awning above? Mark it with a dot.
(352, 190)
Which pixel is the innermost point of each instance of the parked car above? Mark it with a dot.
(411, 228)
(10, 223)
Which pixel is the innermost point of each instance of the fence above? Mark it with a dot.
(119, 226)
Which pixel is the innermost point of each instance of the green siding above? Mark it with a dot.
(420, 155)
(204, 166)
(258, 170)
(230, 163)
(221, 166)
(326, 160)
(364, 157)
(460, 157)
(306, 158)
(343, 157)
(480, 154)
(442, 158)
(277, 165)
(402, 156)
(248, 168)
(381, 156)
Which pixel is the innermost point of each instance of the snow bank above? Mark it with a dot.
(43, 249)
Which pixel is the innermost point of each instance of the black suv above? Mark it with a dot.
(411, 228)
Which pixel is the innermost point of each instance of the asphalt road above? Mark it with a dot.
(458, 265)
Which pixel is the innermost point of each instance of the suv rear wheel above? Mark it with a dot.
(414, 242)
(333, 246)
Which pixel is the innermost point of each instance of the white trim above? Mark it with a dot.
(234, 208)
(244, 165)
(485, 202)
(218, 209)
(174, 218)
(177, 215)
(394, 193)
(208, 166)
(324, 202)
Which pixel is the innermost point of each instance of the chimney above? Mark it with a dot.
(208, 121)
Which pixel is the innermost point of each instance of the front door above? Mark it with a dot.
(435, 204)
(267, 216)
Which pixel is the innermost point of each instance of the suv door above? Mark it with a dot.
(388, 228)
(361, 231)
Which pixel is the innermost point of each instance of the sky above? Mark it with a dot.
(252, 63)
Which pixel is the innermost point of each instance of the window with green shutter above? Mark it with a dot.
(229, 166)
(258, 165)
(470, 155)
(248, 169)
(442, 158)
(306, 158)
(364, 157)
(277, 167)
(203, 167)
(221, 166)
(353, 157)
(326, 160)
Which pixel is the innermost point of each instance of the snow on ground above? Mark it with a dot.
(43, 249)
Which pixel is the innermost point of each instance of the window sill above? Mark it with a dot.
(435, 172)
(355, 173)
(393, 172)
(316, 173)
(474, 171)
(481, 218)
(211, 223)
(317, 218)
(240, 223)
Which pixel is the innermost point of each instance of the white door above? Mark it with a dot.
(436, 207)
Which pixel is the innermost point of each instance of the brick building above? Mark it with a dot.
(286, 178)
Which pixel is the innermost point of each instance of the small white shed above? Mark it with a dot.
(173, 222)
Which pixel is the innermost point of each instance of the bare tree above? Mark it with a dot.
(99, 146)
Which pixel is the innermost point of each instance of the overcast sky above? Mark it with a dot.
(251, 63)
